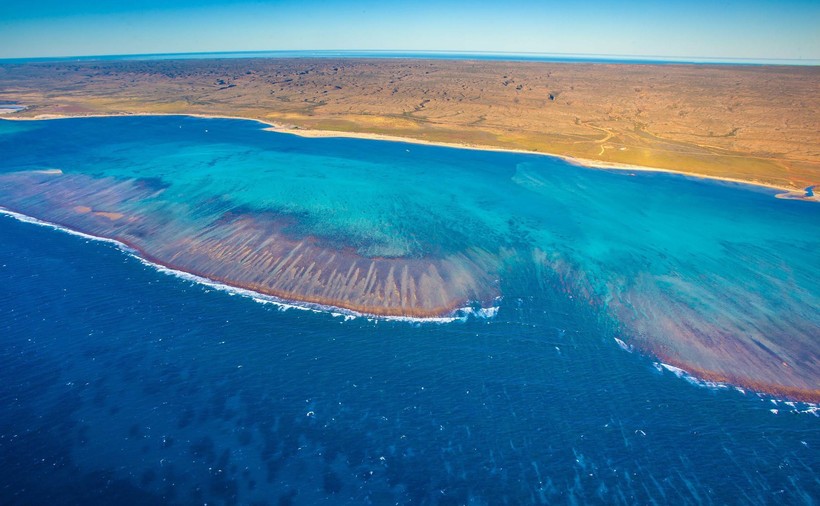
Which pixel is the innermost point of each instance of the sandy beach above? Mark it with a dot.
(581, 162)
(791, 193)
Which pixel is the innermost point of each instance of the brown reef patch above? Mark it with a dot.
(254, 251)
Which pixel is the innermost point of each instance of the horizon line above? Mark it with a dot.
(410, 53)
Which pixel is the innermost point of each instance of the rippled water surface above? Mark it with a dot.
(123, 383)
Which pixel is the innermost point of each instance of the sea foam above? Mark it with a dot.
(791, 406)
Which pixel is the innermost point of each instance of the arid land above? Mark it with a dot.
(759, 124)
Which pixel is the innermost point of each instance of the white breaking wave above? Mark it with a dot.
(623, 345)
(283, 305)
(681, 373)
(792, 406)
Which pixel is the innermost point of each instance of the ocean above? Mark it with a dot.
(124, 382)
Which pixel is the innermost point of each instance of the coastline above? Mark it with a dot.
(578, 162)
(788, 192)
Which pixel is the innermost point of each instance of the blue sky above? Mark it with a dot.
(697, 28)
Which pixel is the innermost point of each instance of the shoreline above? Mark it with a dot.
(788, 193)
(578, 162)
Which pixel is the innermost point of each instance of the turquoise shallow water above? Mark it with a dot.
(123, 382)
(712, 277)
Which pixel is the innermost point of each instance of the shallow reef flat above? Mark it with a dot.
(717, 278)
(253, 250)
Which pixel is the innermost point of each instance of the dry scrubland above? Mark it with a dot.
(758, 124)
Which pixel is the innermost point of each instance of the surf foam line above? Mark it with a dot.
(462, 314)
(791, 406)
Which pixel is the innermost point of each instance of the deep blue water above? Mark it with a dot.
(122, 384)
